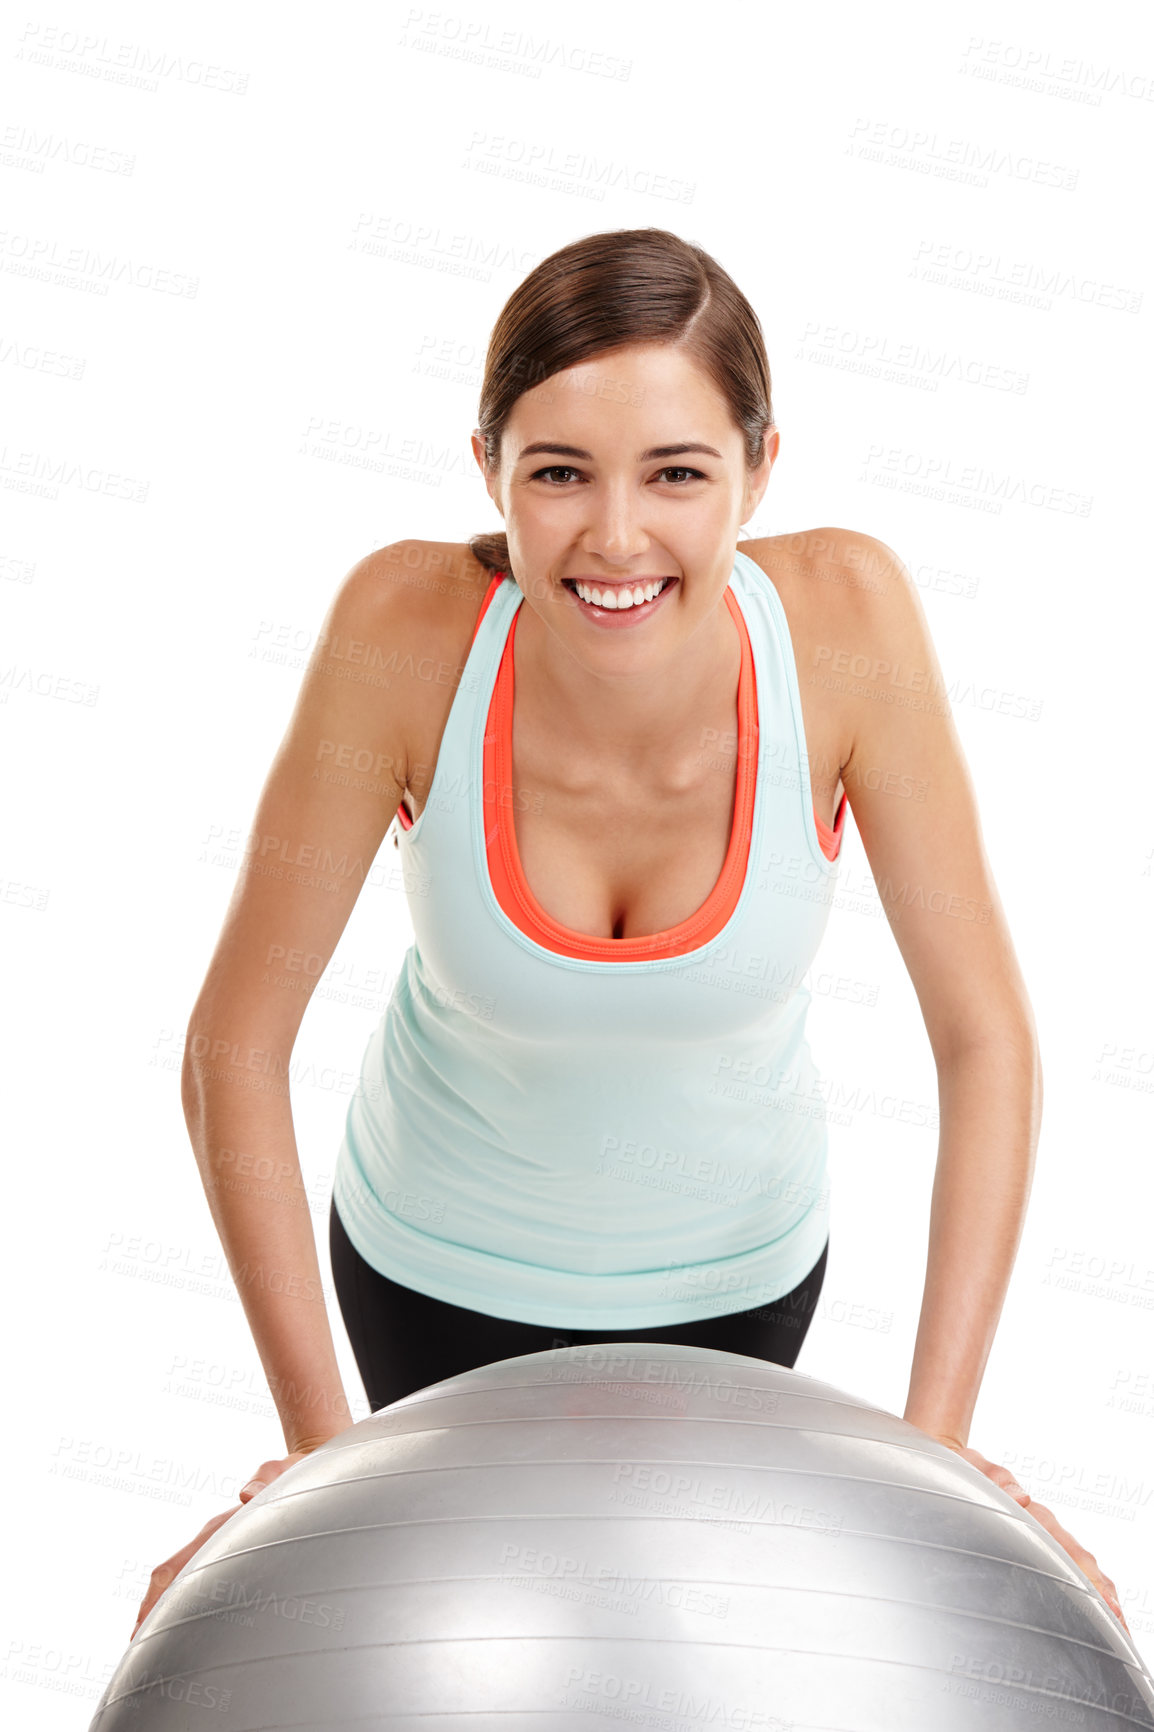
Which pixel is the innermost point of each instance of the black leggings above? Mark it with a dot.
(404, 1340)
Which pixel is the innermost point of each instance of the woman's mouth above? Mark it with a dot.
(604, 602)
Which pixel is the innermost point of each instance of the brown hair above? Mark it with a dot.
(602, 292)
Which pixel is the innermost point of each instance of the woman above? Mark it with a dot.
(619, 749)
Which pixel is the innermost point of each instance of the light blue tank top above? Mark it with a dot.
(617, 1144)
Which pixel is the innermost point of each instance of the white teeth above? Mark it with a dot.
(621, 598)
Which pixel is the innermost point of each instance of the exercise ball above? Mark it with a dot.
(648, 1533)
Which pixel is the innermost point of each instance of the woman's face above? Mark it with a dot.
(617, 474)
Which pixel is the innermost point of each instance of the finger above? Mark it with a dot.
(1001, 1476)
(165, 1573)
(1107, 1590)
(267, 1472)
(1085, 1560)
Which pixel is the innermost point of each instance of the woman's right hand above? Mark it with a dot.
(164, 1574)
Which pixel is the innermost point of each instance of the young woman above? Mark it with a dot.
(619, 749)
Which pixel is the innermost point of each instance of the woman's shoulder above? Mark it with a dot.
(838, 585)
(427, 593)
(432, 578)
(815, 561)
(411, 608)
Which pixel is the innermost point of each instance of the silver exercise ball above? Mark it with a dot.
(642, 1533)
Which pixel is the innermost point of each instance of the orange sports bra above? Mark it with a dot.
(509, 883)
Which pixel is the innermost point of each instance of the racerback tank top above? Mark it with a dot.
(585, 1131)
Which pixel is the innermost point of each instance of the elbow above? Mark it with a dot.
(1013, 1042)
(191, 1099)
(195, 1067)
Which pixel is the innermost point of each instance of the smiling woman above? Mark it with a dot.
(589, 1112)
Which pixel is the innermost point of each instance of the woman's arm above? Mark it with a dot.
(990, 1099)
(314, 836)
(934, 879)
(265, 1227)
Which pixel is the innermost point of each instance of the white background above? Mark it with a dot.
(233, 368)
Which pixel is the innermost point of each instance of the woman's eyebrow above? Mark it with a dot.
(547, 447)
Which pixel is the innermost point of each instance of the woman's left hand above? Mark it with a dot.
(1002, 1476)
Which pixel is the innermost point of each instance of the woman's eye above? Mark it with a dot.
(565, 470)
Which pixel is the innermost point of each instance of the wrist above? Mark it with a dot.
(938, 1425)
(308, 1431)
